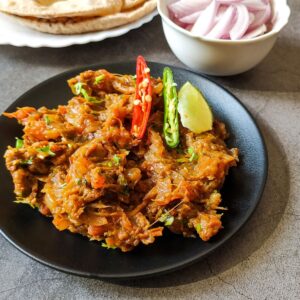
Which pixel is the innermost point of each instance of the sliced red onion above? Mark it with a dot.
(184, 8)
(274, 18)
(251, 18)
(189, 27)
(242, 22)
(206, 20)
(220, 12)
(176, 20)
(228, 2)
(254, 5)
(222, 19)
(191, 19)
(256, 32)
(261, 17)
(224, 25)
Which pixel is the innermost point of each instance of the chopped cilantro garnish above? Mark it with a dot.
(26, 162)
(198, 227)
(116, 160)
(19, 143)
(92, 99)
(47, 120)
(46, 150)
(99, 78)
(80, 90)
(104, 245)
(167, 219)
(193, 155)
(78, 87)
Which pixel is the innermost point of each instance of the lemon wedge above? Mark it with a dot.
(194, 111)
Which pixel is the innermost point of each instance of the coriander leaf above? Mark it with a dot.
(26, 162)
(104, 245)
(47, 120)
(198, 227)
(94, 100)
(19, 143)
(167, 219)
(78, 87)
(99, 78)
(116, 160)
(87, 97)
(47, 150)
(80, 90)
(193, 155)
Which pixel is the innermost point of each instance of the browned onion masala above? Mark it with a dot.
(80, 165)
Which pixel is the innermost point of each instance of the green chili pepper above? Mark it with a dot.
(171, 123)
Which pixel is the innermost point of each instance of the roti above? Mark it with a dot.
(129, 4)
(79, 25)
(61, 8)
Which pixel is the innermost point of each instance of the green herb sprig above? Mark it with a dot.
(167, 219)
(193, 155)
(19, 143)
(80, 90)
(198, 227)
(47, 120)
(99, 78)
(46, 150)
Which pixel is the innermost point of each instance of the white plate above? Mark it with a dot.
(12, 33)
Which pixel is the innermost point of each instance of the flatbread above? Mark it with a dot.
(83, 25)
(129, 4)
(61, 8)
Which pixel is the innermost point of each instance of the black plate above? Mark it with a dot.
(35, 236)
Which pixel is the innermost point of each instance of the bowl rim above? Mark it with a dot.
(166, 19)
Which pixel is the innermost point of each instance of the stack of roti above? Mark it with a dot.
(76, 16)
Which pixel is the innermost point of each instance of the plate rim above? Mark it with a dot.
(78, 39)
(182, 264)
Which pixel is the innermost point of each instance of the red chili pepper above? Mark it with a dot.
(143, 99)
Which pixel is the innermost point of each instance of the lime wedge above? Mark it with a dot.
(194, 111)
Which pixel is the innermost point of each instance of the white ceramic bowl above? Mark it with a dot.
(221, 57)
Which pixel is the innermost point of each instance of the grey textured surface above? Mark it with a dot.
(263, 260)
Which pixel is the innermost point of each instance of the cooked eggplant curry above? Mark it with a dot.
(106, 166)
